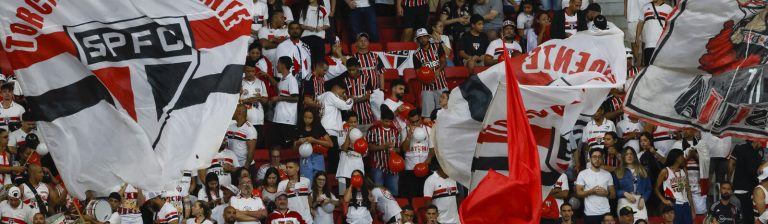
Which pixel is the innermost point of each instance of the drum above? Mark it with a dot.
(99, 209)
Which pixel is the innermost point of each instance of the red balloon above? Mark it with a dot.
(421, 170)
(407, 108)
(346, 126)
(426, 74)
(357, 181)
(396, 162)
(360, 146)
(317, 148)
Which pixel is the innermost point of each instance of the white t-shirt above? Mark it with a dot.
(335, 67)
(267, 32)
(571, 23)
(316, 16)
(332, 106)
(192, 221)
(217, 213)
(393, 105)
(718, 147)
(167, 214)
(593, 204)
(260, 15)
(226, 156)
(241, 203)
(11, 115)
(22, 214)
(18, 137)
(237, 138)
(635, 10)
(298, 197)
(625, 127)
(29, 197)
(443, 193)
(593, 134)
(255, 110)
(288, 13)
(285, 112)
(663, 139)
(202, 195)
(496, 48)
(418, 151)
(385, 203)
(651, 28)
(562, 183)
(299, 54)
(524, 21)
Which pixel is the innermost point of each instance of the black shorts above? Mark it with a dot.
(282, 135)
(415, 17)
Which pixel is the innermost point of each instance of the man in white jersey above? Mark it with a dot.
(441, 191)
(273, 34)
(223, 164)
(241, 137)
(19, 136)
(419, 148)
(274, 161)
(6, 163)
(165, 213)
(10, 112)
(649, 28)
(40, 197)
(254, 95)
(282, 214)
(333, 103)
(218, 212)
(592, 137)
(249, 209)
(496, 47)
(386, 205)
(132, 198)
(395, 100)
(13, 211)
(595, 185)
(297, 188)
(629, 130)
(297, 50)
(286, 107)
(179, 198)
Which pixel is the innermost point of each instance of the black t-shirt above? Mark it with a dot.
(453, 11)
(474, 45)
(725, 214)
(747, 162)
(317, 132)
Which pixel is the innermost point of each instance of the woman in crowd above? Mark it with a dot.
(677, 190)
(264, 69)
(525, 27)
(438, 28)
(312, 132)
(612, 145)
(315, 21)
(541, 28)
(201, 213)
(274, 5)
(321, 199)
(633, 186)
(211, 192)
(269, 188)
(359, 201)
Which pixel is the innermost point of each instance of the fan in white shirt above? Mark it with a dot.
(13, 211)
(272, 35)
(592, 137)
(251, 207)
(386, 204)
(629, 129)
(19, 136)
(10, 112)
(241, 137)
(297, 188)
(223, 164)
(254, 95)
(201, 213)
(165, 212)
(496, 47)
(441, 191)
(297, 50)
(394, 101)
(333, 102)
(595, 185)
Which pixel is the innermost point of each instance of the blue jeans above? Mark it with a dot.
(551, 5)
(311, 165)
(683, 214)
(387, 180)
(364, 20)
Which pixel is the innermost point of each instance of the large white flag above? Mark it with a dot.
(128, 90)
(560, 80)
(708, 70)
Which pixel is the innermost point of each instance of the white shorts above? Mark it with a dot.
(631, 31)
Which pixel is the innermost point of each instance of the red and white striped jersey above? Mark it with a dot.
(226, 156)
(357, 87)
(443, 192)
(130, 203)
(290, 217)
(593, 133)
(379, 135)
(29, 197)
(20, 215)
(430, 57)
(11, 117)
(414, 3)
(238, 137)
(371, 68)
(5, 161)
(298, 197)
(167, 214)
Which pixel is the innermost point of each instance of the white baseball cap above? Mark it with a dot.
(421, 32)
(629, 52)
(14, 192)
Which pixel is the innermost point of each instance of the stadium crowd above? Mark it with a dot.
(307, 145)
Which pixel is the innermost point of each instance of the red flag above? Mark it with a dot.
(517, 198)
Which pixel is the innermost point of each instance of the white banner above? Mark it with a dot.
(128, 90)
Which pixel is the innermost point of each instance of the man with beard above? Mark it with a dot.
(219, 212)
(229, 215)
(165, 213)
(432, 56)
(496, 47)
(725, 212)
(394, 101)
(297, 50)
(283, 214)
(595, 185)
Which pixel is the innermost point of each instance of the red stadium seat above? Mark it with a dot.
(389, 75)
(389, 35)
(456, 75)
(401, 46)
(385, 22)
(402, 201)
(344, 48)
(420, 206)
(373, 46)
(414, 87)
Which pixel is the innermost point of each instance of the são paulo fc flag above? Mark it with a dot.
(128, 90)
(708, 71)
(559, 81)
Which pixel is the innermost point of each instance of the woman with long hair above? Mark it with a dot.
(359, 202)
(633, 186)
(438, 37)
(312, 132)
(269, 188)
(611, 147)
(315, 21)
(275, 5)
(211, 192)
(677, 190)
(541, 28)
(201, 213)
(321, 199)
